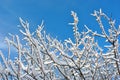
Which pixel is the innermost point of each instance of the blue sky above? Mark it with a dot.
(55, 13)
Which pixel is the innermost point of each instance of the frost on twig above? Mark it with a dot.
(75, 28)
(43, 57)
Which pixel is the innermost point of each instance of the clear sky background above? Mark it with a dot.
(55, 13)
